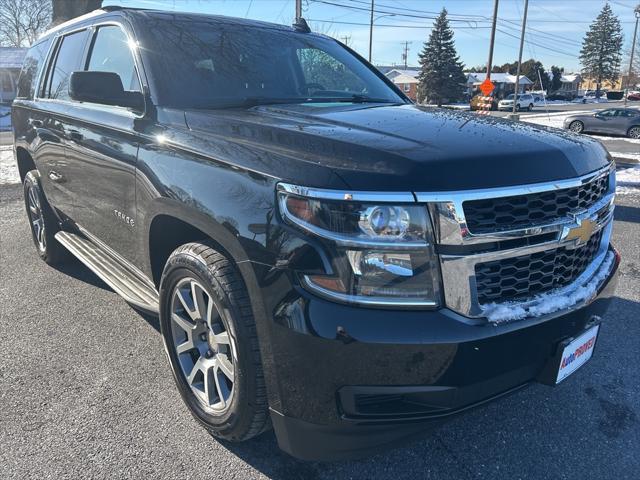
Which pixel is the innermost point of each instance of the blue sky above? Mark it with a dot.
(556, 27)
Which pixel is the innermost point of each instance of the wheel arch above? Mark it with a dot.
(25, 162)
(632, 126)
(172, 224)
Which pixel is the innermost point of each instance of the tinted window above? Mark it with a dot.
(208, 64)
(31, 69)
(68, 60)
(111, 53)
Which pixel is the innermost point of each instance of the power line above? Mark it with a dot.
(395, 25)
(540, 38)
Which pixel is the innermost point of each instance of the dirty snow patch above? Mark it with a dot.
(628, 181)
(8, 168)
(626, 156)
(550, 302)
(617, 139)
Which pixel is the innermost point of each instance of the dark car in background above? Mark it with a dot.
(324, 256)
(611, 121)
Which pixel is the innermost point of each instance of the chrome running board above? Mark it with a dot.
(124, 280)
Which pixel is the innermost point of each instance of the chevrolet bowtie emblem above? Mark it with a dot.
(582, 232)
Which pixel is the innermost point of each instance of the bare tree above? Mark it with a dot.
(22, 21)
(64, 10)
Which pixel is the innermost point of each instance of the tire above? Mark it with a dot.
(530, 107)
(634, 132)
(42, 221)
(517, 107)
(206, 350)
(576, 126)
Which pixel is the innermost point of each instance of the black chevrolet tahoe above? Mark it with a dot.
(326, 258)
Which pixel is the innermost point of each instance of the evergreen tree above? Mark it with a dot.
(530, 69)
(556, 81)
(441, 76)
(601, 48)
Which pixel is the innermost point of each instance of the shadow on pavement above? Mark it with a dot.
(76, 269)
(625, 213)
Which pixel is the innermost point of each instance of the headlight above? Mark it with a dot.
(381, 252)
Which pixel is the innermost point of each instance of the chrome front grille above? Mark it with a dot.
(556, 235)
(507, 213)
(521, 277)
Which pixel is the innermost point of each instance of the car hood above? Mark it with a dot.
(397, 147)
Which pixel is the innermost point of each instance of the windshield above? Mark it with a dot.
(208, 63)
(511, 96)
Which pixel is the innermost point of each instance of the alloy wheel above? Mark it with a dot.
(37, 218)
(203, 344)
(576, 127)
(634, 132)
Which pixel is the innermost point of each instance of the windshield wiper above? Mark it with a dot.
(357, 98)
(257, 101)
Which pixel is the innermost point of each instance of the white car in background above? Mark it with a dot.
(524, 101)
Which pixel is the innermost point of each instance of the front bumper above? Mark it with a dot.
(351, 380)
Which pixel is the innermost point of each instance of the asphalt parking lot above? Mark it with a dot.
(85, 392)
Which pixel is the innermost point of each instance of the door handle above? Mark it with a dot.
(54, 176)
(36, 123)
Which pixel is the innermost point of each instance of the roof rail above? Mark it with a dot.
(115, 8)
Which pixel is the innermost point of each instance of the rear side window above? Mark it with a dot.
(68, 60)
(31, 68)
(111, 53)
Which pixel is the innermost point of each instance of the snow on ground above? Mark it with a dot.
(626, 156)
(8, 168)
(628, 181)
(617, 139)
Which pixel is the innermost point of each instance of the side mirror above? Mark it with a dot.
(104, 88)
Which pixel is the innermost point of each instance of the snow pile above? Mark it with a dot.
(628, 181)
(550, 302)
(604, 136)
(8, 168)
(626, 156)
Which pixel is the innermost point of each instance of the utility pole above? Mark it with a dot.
(493, 38)
(636, 11)
(515, 97)
(298, 9)
(371, 30)
(405, 53)
(346, 39)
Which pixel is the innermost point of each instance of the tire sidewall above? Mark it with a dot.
(186, 265)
